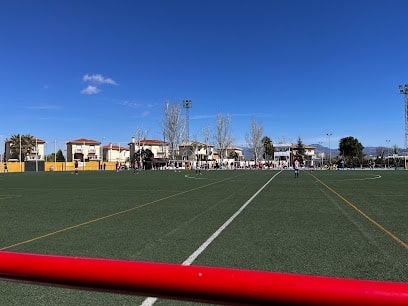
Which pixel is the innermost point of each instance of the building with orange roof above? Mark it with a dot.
(117, 153)
(83, 150)
(159, 148)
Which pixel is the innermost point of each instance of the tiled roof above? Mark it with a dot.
(115, 147)
(152, 142)
(84, 141)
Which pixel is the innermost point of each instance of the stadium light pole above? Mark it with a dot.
(187, 104)
(404, 91)
(329, 135)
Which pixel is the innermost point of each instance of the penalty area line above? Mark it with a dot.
(151, 300)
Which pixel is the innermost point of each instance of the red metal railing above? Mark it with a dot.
(205, 284)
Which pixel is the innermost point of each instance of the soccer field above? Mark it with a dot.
(350, 224)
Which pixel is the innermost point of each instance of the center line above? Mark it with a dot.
(151, 300)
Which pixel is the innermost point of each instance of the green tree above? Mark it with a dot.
(60, 156)
(27, 145)
(351, 149)
(300, 148)
(145, 154)
(233, 155)
(268, 147)
(50, 157)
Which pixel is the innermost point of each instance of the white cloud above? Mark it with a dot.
(44, 107)
(98, 79)
(130, 104)
(90, 90)
(145, 114)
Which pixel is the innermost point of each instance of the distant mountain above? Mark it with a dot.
(247, 153)
(368, 151)
(325, 150)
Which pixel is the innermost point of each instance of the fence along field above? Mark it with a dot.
(295, 226)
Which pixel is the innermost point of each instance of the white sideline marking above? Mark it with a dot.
(151, 300)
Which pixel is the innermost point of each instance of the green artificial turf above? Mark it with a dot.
(334, 223)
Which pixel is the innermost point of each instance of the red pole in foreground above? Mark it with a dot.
(205, 284)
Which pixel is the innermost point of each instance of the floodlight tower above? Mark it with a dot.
(187, 104)
(329, 134)
(404, 91)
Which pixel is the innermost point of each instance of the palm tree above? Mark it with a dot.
(27, 145)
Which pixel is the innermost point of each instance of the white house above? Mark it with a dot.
(159, 148)
(38, 151)
(195, 150)
(83, 149)
(115, 153)
(282, 153)
(309, 155)
(236, 151)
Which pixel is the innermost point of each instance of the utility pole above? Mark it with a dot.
(404, 91)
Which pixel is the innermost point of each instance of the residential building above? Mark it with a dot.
(115, 153)
(195, 150)
(235, 151)
(159, 148)
(37, 152)
(309, 155)
(83, 150)
(282, 154)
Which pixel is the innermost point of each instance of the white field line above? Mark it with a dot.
(151, 300)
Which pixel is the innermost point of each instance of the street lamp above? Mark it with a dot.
(329, 135)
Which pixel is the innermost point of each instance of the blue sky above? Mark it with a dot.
(103, 69)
